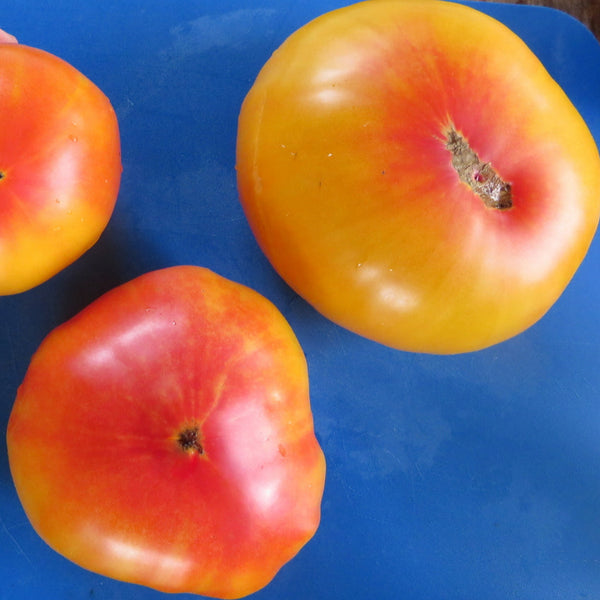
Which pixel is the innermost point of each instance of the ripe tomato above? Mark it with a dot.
(164, 436)
(412, 170)
(60, 165)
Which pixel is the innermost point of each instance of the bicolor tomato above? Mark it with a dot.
(413, 171)
(164, 436)
(60, 165)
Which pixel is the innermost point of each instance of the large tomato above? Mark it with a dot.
(60, 165)
(164, 436)
(412, 170)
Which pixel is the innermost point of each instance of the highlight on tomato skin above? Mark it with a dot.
(413, 172)
(60, 165)
(172, 418)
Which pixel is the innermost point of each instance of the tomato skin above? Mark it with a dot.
(60, 165)
(93, 437)
(349, 188)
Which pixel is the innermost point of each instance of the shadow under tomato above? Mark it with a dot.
(117, 257)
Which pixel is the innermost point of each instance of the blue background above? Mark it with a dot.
(472, 476)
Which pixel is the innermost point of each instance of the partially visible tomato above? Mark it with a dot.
(164, 436)
(412, 170)
(60, 165)
(7, 38)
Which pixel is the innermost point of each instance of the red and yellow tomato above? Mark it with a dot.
(411, 169)
(60, 165)
(164, 436)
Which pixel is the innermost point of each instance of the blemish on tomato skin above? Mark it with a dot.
(282, 450)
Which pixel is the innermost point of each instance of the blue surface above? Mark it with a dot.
(449, 478)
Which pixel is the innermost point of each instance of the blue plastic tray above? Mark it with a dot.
(467, 477)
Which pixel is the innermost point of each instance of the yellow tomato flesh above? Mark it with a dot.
(347, 181)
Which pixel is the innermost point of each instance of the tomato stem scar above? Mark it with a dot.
(2, 175)
(189, 440)
(478, 175)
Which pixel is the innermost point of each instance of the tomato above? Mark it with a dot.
(7, 38)
(164, 436)
(412, 170)
(60, 165)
